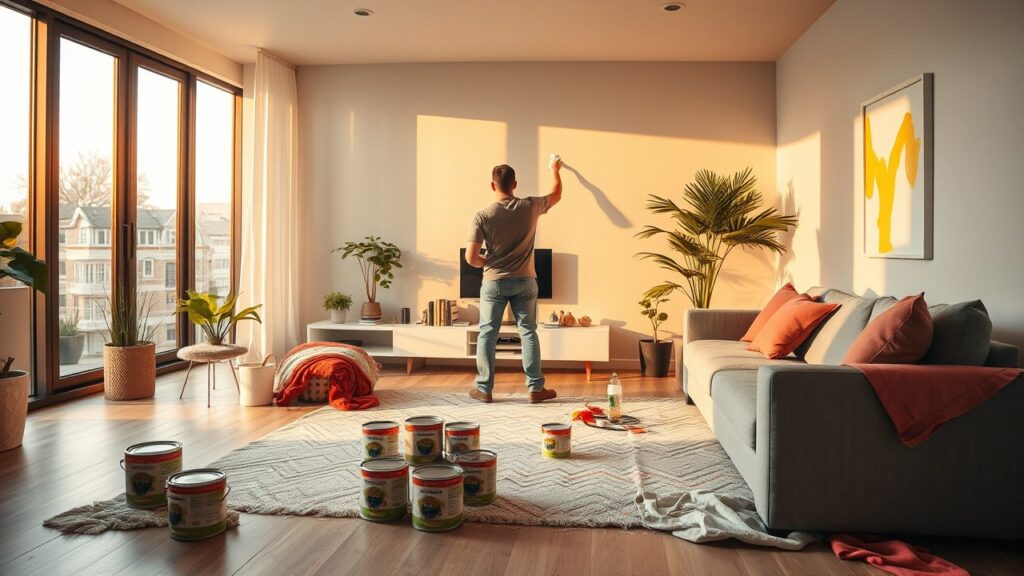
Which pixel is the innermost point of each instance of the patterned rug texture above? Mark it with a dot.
(311, 467)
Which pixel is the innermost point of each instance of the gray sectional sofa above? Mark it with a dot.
(820, 453)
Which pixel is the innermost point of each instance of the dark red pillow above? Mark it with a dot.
(785, 294)
(900, 335)
(790, 326)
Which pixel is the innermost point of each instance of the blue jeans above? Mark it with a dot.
(521, 294)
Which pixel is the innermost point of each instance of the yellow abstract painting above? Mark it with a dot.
(897, 172)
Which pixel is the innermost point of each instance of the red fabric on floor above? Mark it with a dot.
(351, 372)
(892, 556)
(921, 398)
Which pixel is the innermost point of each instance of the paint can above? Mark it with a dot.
(147, 466)
(480, 476)
(385, 493)
(380, 439)
(557, 441)
(461, 437)
(423, 439)
(197, 506)
(437, 497)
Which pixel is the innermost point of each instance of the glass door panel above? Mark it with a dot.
(157, 181)
(87, 225)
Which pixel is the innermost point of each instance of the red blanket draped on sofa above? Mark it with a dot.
(350, 371)
(920, 398)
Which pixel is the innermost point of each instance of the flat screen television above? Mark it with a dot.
(470, 277)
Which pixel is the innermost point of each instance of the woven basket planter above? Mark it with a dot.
(129, 372)
(13, 409)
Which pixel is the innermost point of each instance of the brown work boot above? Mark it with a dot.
(476, 394)
(545, 394)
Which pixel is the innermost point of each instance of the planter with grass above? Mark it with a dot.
(71, 342)
(129, 359)
(337, 303)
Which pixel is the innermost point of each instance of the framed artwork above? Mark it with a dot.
(897, 128)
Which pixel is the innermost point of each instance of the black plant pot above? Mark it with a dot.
(655, 357)
(71, 349)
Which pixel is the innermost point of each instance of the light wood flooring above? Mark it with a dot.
(71, 455)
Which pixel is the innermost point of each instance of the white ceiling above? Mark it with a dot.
(309, 32)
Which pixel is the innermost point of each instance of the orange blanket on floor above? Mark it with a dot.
(350, 371)
(892, 556)
(921, 398)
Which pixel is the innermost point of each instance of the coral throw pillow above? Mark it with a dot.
(900, 335)
(785, 294)
(790, 326)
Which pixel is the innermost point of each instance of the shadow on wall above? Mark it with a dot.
(615, 216)
(566, 279)
(787, 205)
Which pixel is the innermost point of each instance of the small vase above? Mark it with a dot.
(129, 372)
(338, 316)
(371, 311)
(13, 409)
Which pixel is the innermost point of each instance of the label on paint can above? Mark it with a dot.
(480, 476)
(437, 498)
(385, 493)
(461, 437)
(423, 437)
(147, 467)
(380, 439)
(197, 504)
(557, 440)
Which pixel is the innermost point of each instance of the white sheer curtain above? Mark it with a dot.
(270, 213)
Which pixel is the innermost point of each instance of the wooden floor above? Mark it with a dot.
(71, 455)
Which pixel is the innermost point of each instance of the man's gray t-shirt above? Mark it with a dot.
(508, 229)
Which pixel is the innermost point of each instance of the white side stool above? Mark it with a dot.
(211, 354)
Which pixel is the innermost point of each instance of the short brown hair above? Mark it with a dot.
(504, 177)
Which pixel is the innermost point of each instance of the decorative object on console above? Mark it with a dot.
(726, 213)
(337, 303)
(18, 264)
(129, 359)
(585, 321)
(377, 261)
(898, 222)
(654, 353)
(566, 320)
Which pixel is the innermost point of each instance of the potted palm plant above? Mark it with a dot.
(129, 357)
(654, 353)
(71, 342)
(20, 266)
(377, 261)
(337, 303)
(725, 213)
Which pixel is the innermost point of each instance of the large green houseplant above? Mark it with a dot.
(377, 261)
(724, 213)
(21, 266)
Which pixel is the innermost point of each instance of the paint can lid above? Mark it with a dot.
(424, 421)
(476, 457)
(554, 426)
(156, 448)
(380, 425)
(197, 477)
(461, 426)
(437, 472)
(389, 464)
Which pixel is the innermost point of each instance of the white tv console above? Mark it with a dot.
(413, 341)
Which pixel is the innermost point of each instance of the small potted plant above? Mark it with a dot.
(129, 358)
(654, 353)
(337, 303)
(71, 342)
(20, 266)
(377, 260)
(216, 320)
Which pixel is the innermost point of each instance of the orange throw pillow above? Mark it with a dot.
(785, 294)
(790, 326)
(900, 335)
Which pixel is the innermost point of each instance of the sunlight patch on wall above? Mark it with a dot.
(799, 189)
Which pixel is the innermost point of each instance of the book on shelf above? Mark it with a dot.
(430, 313)
(442, 312)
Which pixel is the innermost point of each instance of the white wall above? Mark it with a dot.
(405, 151)
(860, 48)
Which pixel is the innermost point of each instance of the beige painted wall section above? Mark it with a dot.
(857, 50)
(130, 25)
(405, 151)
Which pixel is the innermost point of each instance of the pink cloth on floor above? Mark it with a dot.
(892, 556)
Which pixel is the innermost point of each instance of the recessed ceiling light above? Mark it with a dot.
(673, 7)
(363, 12)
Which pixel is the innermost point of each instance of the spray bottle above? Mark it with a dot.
(614, 398)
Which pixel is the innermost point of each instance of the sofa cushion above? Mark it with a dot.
(900, 335)
(881, 305)
(961, 334)
(736, 401)
(785, 294)
(790, 326)
(830, 341)
(704, 358)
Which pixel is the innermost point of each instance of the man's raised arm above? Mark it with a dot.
(556, 188)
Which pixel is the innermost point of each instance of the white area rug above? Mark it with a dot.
(311, 467)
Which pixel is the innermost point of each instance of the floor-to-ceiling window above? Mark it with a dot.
(122, 165)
